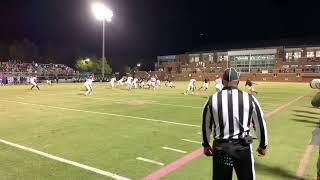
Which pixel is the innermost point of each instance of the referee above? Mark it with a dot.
(229, 114)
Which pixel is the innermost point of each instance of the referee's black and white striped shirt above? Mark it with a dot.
(229, 114)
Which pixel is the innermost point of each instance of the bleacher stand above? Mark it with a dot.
(17, 72)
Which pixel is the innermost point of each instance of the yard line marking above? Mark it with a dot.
(150, 161)
(174, 165)
(195, 154)
(176, 150)
(162, 104)
(175, 105)
(304, 162)
(73, 163)
(125, 100)
(103, 113)
(188, 140)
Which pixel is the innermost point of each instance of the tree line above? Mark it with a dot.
(27, 51)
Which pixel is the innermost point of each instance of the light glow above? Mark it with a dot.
(101, 12)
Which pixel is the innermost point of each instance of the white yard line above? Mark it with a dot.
(173, 149)
(149, 161)
(162, 104)
(175, 105)
(126, 100)
(73, 163)
(102, 113)
(188, 140)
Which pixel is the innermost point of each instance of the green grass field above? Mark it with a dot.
(113, 127)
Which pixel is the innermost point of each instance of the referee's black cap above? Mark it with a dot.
(230, 74)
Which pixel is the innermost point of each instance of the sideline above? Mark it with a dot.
(304, 162)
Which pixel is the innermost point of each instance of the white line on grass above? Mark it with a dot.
(188, 140)
(103, 113)
(176, 150)
(156, 103)
(150, 161)
(126, 100)
(175, 105)
(92, 169)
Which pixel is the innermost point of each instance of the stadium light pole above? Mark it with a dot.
(102, 13)
(250, 63)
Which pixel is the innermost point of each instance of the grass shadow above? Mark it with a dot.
(306, 121)
(306, 112)
(280, 172)
(311, 107)
(305, 116)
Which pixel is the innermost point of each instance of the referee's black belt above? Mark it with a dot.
(227, 140)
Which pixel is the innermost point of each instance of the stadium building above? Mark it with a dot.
(262, 64)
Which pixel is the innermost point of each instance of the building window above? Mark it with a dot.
(307, 68)
(222, 58)
(288, 55)
(225, 58)
(310, 54)
(194, 59)
(297, 55)
(210, 58)
(318, 53)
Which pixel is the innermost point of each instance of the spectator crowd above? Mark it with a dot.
(16, 72)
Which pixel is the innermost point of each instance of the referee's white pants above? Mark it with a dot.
(89, 88)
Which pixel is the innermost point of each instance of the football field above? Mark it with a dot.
(58, 133)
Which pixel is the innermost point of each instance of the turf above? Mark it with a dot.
(96, 130)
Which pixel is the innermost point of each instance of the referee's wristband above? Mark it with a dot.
(263, 147)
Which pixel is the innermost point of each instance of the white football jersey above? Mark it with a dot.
(89, 80)
(192, 82)
(129, 79)
(113, 80)
(153, 79)
(33, 79)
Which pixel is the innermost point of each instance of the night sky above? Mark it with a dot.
(142, 29)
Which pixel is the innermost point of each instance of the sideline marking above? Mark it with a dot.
(176, 150)
(304, 162)
(103, 113)
(188, 140)
(73, 163)
(149, 161)
(174, 165)
(195, 154)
